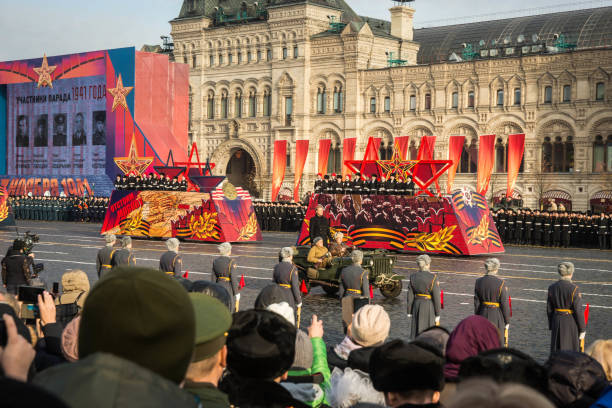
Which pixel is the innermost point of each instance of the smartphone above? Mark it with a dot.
(55, 287)
(29, 294)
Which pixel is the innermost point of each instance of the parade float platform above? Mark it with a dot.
(459, 224)
(225, 214)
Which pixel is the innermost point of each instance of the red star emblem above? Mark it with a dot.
(132, 164)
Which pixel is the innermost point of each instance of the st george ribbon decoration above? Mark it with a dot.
(278, 166)
(455, 147)
(486, 159)
(301, 152)
(324, 145)
(516, 148)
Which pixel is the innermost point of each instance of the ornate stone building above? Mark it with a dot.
(313, 69)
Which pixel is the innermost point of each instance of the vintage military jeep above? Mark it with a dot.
(379, 264)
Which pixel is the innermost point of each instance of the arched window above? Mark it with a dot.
(258, 55)
(224, 105)
(517, 96)
(558, 155)
(288, 160)
(210, 107)
(269, 55)
(547, 156)
(414, 152)
(387, 104)
(338, 99)
(267, 103)
(548, 94)
(373, 104)
(600, 91)
(455, 100)
(412, 103)
(285, 54)
(238, 105)
(220, 59)
(249, 56)
(240, 58)
(500, 97)
(470, 102)
(427, 101)
(602, 154)
(296, 51)
(230, 58)
(567, 93)
(321, 100)
(194, 60)
(469, 157)
(500, 156)
(252, 104)
(211, 60)
(334, 162)
(385, 151)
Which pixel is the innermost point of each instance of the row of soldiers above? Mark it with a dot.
(150, 182)
(279, 216)
(358, 185)
(47, 208)
(553, 228)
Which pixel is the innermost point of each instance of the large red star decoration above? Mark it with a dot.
(44, 73)
(133, 164)
(200, 178)
(396, 166)
(119, 93)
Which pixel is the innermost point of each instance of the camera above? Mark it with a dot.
(28, 242)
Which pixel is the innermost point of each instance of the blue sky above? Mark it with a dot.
(33, 27)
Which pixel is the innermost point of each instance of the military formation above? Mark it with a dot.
(359, 185)
(47, 208)
(554, 228)
(150, 182)
(279, 216)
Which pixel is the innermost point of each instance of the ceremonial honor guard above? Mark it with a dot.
(510, 231)
(170, 261)
(547, 230)
(319, 226)
(285, 275)
(491, 298)
(318, 184)
(519, 227)
(529, 220)
(424, 302)
(223, 272)
(564, 308)
(538, 227)
(602, 231)
(103, 260)
(354, 286)
(556, 230)
(566, 231)
(502, 222)
(123, 256)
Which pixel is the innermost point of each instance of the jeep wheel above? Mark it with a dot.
(392, 290)
(330, 290)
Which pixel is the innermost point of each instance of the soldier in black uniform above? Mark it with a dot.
(105, 255)
(510, 230)
(564, 309)
(538, 228)
(547, 230)
(285, 275)
(519, 227)
(566, 231)
(502, 223)
(354, 285)
(170, 261)
(602, 231)
(224, 272)
(318, 184)
(528, 235)
(556, 230)
(123, 256)
(339, 185)
(319, 226)
(424, 301)
(491, 299)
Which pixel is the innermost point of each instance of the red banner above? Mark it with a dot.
(486, 160)
(402, 142)
(455, 147)
(348, 153)
(301, 152)
(278, 166)
(516, 148)
(426, 149)
(324, 145)
(371, 152)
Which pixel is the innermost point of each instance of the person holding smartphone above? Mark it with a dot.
(16, 267)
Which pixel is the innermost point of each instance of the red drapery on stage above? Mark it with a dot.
(426, 148)
(301, 152)
(324, 145)
(486, 159)
(455, 147)
(348, 153)
(278, 166)
(371, 152)
(402, 142)
(516, 148)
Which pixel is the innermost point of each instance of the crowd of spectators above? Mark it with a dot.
(137, 337)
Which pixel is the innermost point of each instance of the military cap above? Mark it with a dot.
(213, 320)
(100, 117)
(215, 290)
(60, 119)
(260, 344)
(398, 366)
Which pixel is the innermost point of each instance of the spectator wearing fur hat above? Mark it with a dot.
(105, 255)
(133, 350)
(601, 350)
(171, 262)
(261, 349)
(484, 393)
(75, 287)
(409, 374)
(564, 309)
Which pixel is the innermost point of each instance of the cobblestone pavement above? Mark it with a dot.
(528, 272)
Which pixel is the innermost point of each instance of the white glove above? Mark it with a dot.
(582, 335)
(300, 305)
(238, 297)
(437, 320)
(409, 315)
(507, 327)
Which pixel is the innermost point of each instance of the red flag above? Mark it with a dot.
(371, 292)
(586, 314)
(186, 274)
(510, 304)
(455, 147)
(242, 283)
(486, 160)
(516, 148)
(324, 145)
(348, 153)
(426, 149)
(402, 142)
(301, 152)
(371, 152)
(442, 299)
(303, 288)
(278, 167)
